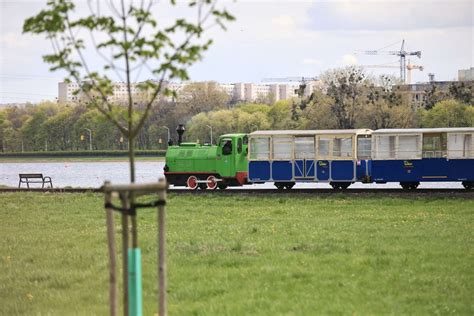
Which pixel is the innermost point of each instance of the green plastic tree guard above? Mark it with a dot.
(135, 282)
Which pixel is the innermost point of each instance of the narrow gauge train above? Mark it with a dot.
(337, 157)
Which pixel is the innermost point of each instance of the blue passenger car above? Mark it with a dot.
(338, 157)
(411, 156)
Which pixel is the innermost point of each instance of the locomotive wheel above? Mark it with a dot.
(192, 183)
(211, 183)
(279, 186)
(468, 184)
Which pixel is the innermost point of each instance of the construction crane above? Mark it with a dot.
(402, 53)
(409, 67)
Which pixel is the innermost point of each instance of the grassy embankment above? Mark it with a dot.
(244, 255)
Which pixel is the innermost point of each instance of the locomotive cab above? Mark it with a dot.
(231, 160)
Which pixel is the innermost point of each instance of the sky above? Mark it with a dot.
(273, 39)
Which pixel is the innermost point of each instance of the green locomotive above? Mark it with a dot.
(208, 166)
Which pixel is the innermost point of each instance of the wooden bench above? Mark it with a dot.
(34, 178)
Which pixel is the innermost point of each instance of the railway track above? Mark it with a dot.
(271, 191)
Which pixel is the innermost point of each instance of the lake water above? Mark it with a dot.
(93, 175)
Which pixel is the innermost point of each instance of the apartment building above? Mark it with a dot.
(71, 93)
(67, 92)
(466, 74)
(415, 93)
(249, 92)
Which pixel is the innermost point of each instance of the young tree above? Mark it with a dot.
(347, 87)
(432, 96)
(127, 37)
(462, 91)
(318, 114)
(449, 113)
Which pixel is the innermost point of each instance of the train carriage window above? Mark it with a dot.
(282, 148)
(342, 147)
(364, 147)
(392, 146)
(385, 147)
(260, 148)
(434, 145)
(468, 149)
(304, 148)
(246, 140)
(323, 147)
(460, 146)
(408, 147)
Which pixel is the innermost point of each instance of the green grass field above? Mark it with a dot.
(244, 255)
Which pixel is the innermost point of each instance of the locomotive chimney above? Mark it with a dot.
(180, 129)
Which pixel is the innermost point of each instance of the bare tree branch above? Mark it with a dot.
(141, 25)
(114, 10)
(86, 68)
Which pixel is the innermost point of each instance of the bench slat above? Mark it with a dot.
(31, 175)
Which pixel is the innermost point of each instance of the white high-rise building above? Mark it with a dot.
(466, 74)
(67, 92)
(71, 93)
(248, 92)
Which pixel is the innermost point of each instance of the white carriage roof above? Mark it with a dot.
(310, 132)
(424, 130)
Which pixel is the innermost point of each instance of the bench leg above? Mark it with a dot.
(27, 184)
(19, 184)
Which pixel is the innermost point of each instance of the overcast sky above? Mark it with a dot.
(276, 39)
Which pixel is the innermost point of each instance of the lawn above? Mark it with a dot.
(247, 255)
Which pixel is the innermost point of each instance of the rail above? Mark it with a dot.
(448, 192)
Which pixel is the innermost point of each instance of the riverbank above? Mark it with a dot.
(81, 156)
(243, 255)
(76, 159)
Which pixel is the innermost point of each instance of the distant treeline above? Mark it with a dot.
(348, 98)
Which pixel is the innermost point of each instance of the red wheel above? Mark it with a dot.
(211, 183)
(192, 183)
